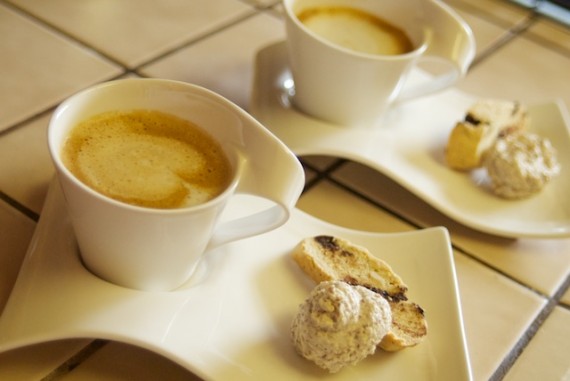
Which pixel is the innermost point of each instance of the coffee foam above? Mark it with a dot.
(147, 158)
(356, 30)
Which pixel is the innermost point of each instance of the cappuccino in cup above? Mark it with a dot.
(356, 30)
(147, 158)
(147, 168)
(352, 60)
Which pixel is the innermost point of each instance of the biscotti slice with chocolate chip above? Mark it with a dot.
(331, 258)
(485, 121)
(505, 116)
(409, 326)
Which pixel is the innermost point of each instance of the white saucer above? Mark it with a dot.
(409, 146)
(231, 322)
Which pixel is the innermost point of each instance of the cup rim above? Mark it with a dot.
(420, 49)
(54, 147)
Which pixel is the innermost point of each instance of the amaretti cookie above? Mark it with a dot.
(339, 324)
(521, 164)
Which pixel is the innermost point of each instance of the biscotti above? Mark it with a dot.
(326, 258)
(485, 122)
(507, 116)
(409, 326)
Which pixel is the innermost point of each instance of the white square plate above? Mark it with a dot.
(231, 321)
(409, 148)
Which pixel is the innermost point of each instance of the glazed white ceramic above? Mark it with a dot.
(157, 249)
(231, 321)
(409, 148)
(354, 89)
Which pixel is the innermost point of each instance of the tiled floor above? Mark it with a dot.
(514, 293)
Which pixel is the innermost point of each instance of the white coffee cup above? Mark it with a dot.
(354, 89)
(158, 249)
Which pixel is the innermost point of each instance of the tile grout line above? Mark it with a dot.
(498, 271)
(19, 207)
(201, 37)
(510, 359)
(540, 40)
(84, 45)
(510, 35)
(320, 174)
(75, 360)
(61, 33)
(378, 205)
(29, 119)
(125, 69)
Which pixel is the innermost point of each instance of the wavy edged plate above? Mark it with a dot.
(232, 319)
(409, 148)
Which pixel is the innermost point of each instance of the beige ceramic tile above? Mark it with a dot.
(551, 32)
(541, 264)
(486, 33)
(121, 362)
(522, 70)
(15, 237)
(518, 258)
(496, 314)
(38, 361)
(547, 355)
(320, 163)
(35, 362)
(262, 3)
(133, 32)
(500, 12)
(337, 206)
(25, 164)
(566, 298)
(43, 73)
(224, 62)
(309, 175)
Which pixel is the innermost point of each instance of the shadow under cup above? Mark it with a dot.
(158, 249)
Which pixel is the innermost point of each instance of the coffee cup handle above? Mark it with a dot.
(270, 171)
(449, 40)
